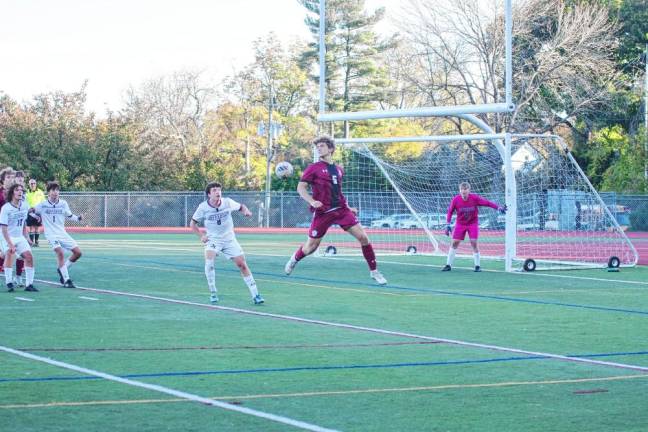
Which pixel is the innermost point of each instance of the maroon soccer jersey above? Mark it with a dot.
(467, 211)
(326, 185)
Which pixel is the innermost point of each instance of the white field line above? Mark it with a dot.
(88, 298)
(372, 330)
(400, 263)
(24, 299)
(169, 391)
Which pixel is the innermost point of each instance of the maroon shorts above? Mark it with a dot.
(323, 221)
(461, 230)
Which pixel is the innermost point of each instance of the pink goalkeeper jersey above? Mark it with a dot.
(467, 211)
(325, 181)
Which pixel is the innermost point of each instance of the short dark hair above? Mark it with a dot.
(4, 172)
(20, 174)
(326, 140)
(12, 190)
(51, 185)
(211, 186)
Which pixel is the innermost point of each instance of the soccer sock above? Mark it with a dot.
(8, 275)
(369, 256)
(251, 283)
(20, 265)
(68, 263)
(210, 273)
(32, 237)
(476, 256)
(29, 275)
(451, 256)
(64, 272)
(299, 255)
(36, 237)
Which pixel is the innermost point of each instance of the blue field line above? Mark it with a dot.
(315, 368)
(402, 288)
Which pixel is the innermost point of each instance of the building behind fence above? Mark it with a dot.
(287, 209)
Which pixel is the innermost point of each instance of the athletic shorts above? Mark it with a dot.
(229, 248)
(63, 241)
(21, 243)
(460, 231)
(32, 221)
(323, 221)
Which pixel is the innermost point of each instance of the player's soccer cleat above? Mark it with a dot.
(10, 287)
(258, 299)
(69, 284)
(60, 277)
(213, 298)
(290, 265)
(378, 277)
(446, 268)
(31, 288)
(19, 281)
(477, 269)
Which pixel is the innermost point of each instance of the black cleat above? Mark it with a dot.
(477, 269)
(60, 277)
(69, 284)
(10, 287)
(446, 268)
(31, 288)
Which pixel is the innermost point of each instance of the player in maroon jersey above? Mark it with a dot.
(329, 207)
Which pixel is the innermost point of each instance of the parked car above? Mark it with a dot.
(395, 221)
(366, 217)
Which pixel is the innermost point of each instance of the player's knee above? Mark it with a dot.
(28, 258)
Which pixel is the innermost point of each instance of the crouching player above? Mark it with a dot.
(53, 212)
(466, 205)
(14, 237)
(216, 215)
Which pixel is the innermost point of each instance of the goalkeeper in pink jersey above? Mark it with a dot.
(466, 205)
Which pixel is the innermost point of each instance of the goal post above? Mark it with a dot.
(402, 188)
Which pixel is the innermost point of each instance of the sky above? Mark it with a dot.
(49, 45)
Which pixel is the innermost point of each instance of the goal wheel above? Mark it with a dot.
(614, 262)
(411, 249)
(529, 265)
(331, 250)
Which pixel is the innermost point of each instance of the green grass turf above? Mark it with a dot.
(332, 377)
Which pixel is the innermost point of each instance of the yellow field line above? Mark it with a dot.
(336, 392)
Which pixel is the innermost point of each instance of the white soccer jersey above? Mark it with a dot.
(14, 218)
(217, 220)
(53, 216)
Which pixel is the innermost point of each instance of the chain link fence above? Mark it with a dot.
(287, 209)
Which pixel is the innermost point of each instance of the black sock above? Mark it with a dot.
(36, 237)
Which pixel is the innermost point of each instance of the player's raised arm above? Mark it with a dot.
(245, 210)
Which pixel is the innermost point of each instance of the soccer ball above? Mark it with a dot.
(284, 169)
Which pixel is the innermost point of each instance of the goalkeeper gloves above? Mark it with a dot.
(502, 209)
(448, 230)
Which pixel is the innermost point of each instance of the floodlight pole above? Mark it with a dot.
(508, 79)
(269, 155)
(646, 113)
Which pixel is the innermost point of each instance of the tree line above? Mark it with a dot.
(578, 72)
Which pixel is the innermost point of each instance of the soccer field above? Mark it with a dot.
(431, 351)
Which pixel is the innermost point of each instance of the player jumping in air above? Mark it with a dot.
(329, 207)
(466, 205)
(53, 212)
(216, 215)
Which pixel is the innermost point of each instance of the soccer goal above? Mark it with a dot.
(556, 219)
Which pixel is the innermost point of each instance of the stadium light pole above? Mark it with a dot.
(646, 113)
(269, 155)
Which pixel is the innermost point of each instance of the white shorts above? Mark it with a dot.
(229, 249)
(61, 241)
(21, 243)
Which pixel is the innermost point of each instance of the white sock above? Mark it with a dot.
(8, 275)
(29, 275)
(210, 273)
(451, 256)
(250, 282)
(476, 257)
(64, 272)
(68, 263)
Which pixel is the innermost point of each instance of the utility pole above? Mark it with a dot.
(646, 113)
(269, 156)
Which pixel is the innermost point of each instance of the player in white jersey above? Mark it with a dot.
(53, 212)
(14, 237)
(216, 216)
